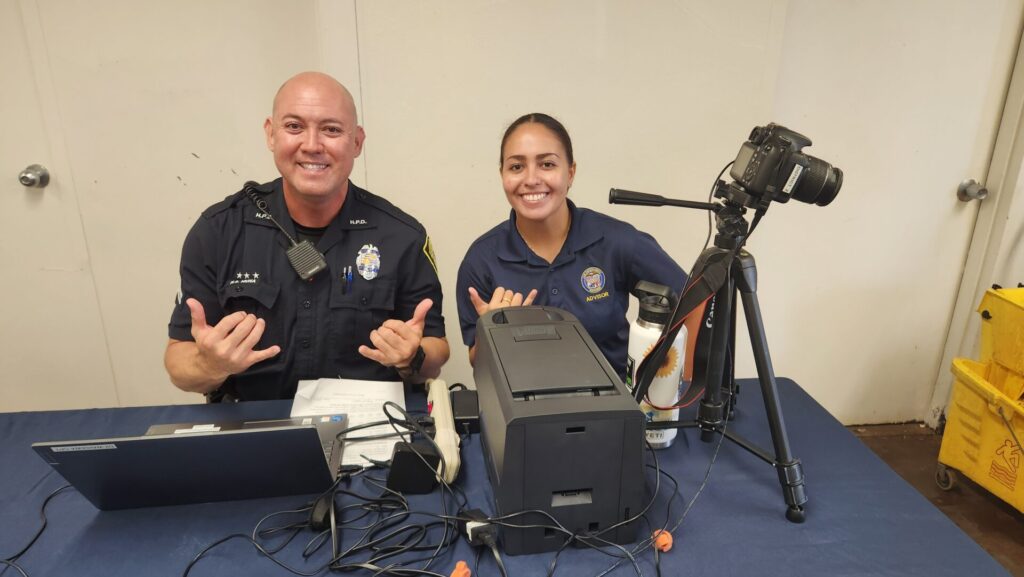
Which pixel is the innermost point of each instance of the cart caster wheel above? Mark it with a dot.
(945, 477)
(796, 514)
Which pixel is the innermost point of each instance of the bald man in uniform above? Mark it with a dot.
(246, 326)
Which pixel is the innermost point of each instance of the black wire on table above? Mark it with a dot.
(382, 539)
(42, 515)
(488, 540)
(13, 564)
(11, 561)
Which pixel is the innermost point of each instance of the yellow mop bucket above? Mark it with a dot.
(984, 429)
(1002, 338)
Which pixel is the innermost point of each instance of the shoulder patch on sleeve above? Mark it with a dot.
(428, 251)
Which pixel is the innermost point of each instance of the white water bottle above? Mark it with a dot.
(656, 305)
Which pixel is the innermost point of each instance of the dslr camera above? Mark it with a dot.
(770, 165)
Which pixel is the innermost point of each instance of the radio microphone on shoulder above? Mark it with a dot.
(303, 256)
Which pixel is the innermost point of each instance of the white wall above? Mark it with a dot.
(658, 97)
(647, 108)
(856, 296)
(912, 106)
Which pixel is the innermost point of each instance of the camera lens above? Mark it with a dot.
(820, 184)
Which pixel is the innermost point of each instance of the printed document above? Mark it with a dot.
(362, 401)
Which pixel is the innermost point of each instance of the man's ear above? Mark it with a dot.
(268, 129)
(360, 137)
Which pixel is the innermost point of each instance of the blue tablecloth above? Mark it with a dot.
(862, 519)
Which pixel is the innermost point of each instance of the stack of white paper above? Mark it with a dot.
(362, 401)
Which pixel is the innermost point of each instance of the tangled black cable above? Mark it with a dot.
(381, 540)
(383, 517)
(592, 540)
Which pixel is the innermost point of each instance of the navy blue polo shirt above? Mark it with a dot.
(234, 258)
(601, 261)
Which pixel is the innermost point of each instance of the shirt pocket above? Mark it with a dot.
(356, 310)
(256, 299)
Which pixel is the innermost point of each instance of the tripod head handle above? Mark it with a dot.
(619, 196)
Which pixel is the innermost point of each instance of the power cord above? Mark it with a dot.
(8, 563)
(488, 539)
(12, 560)
(380, 520)
(651, 541)
(481, 532)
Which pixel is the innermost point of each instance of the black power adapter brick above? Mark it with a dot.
(466, 411)
(408, 473)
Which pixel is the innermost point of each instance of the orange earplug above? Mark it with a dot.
(461, 570)
(662, 540)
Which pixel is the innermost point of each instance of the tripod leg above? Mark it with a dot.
(791, 475)
(730, 390)
(712, 408)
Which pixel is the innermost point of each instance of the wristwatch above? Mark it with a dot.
(415, 364)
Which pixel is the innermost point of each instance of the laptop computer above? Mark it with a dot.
(177, 464)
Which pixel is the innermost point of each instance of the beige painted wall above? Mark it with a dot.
(161, 112)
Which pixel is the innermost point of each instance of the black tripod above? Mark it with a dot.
(723, 271)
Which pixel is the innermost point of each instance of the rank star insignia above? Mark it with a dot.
(244, 278)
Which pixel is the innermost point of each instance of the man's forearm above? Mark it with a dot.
(186, 369)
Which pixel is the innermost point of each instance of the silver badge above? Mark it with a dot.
(368, 261)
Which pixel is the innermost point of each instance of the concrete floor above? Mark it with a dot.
(912, 451)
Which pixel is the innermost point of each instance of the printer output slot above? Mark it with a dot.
(563, 394)
(572, 497)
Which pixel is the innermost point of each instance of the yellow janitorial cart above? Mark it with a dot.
(985, 417)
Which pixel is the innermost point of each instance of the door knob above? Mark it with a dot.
(971, 190)
(35, 175)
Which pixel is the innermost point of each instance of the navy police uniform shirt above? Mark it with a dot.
(601, 261)
(234, 258)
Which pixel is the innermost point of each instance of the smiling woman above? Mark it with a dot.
(550, 252)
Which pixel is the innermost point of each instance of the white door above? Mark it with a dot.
(995, 252)
(162, 107)
(54, 348)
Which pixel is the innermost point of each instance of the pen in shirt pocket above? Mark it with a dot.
(346, 277)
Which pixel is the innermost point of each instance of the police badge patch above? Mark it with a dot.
(368, 261)
(592, 280)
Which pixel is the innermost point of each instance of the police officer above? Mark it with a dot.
(550, 252)
(247, 326)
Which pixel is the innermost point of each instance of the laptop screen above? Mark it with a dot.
(202, 462)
